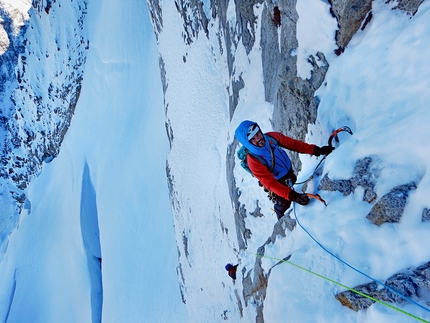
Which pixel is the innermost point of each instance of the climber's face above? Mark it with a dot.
(258, 140)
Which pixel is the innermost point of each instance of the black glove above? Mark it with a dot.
(324, 150)
(302, 199)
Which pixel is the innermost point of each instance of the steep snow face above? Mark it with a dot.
(198, 122)
(42, 70)
(201, 78)
(222, 73)
(96, 243)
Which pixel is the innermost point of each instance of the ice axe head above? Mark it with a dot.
(334, 134)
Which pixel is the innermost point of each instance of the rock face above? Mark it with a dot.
(293, 98)
(295, 106)
(40, 83)
(409, 284)
(255, 286)
(409, 6)
(350, 15)
(390, 207)
(362, 176)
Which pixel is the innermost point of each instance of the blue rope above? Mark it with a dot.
(353, 268)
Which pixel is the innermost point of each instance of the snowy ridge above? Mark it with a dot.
(17, 12)
(378, 87)
(41, 83)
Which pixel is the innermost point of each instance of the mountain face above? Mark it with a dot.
(229, 30)
(40, 81)
(42, 65)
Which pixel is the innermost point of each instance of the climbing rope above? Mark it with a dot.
(355, 269)
(318, 197)
(286, 260)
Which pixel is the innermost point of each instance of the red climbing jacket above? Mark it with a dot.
(262, 173)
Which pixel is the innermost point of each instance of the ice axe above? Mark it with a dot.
(317, 197)
(334, 134)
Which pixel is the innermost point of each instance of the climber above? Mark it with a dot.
(271, 165)
(231, 270)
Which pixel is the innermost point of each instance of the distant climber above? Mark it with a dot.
(231, 270)
(270, 164)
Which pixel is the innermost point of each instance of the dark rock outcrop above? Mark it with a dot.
(409, 6)
(194, 19)
(255, 286)
(350, 15)
(390, 207)
(362, 176)
(354, 300)
(426, 215)
(409, 284)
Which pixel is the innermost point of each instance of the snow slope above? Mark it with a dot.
(105, 196)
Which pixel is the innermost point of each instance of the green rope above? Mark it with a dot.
(344, 286)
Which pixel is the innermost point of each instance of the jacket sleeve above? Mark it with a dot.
(292, 144)
(266, 178)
